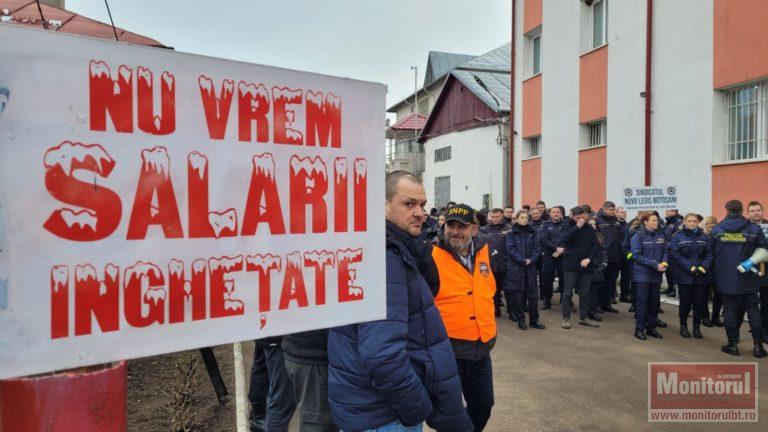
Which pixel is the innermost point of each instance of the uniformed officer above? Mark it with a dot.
(732, 241)
(495, 233)
(465, 301)
(550, 237)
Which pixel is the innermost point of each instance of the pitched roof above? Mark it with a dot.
(486, 76)
(25, 12)
(440, 63)
(491, 69)
(438, 66)
(412, 121)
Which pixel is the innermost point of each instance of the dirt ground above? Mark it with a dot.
(551, 380)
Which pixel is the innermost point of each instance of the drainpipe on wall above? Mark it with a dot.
(511, 143)
(647, 94)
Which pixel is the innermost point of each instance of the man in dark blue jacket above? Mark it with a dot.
(495, 234)
(732, 241)
(755, 210)
(396, 373)
(609, 226)
(672, 223)
(550, 237)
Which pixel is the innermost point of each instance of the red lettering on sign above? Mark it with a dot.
(263, 202)
(308, 185)
(144, 294)
(222, 287)
(98, 298)
(216, 107)
(182, 291)
(360, 188)
(155, 201)
(59, 301)
(293, 283)
(164, 123)
(348, 291)
(252, 106)
(110, 95)
(340, 195)
(264, 264)
(323, 119)
(103, 206)
(284, 119)
(319, 260)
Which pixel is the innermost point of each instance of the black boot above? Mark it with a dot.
(697, 330)
(706, 322)
(547, 304)
(759, 350)
(684, 331)
(631, 308)
(732, 348)
(521, 325)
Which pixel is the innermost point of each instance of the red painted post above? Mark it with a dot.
(92, 401)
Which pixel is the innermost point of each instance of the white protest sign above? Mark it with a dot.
(152, 201)
(637, 198)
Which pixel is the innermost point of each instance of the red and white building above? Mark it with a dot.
(609, 94)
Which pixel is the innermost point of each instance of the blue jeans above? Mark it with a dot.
(396, 426)
(280, 401)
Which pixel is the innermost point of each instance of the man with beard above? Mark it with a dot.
(465, 301)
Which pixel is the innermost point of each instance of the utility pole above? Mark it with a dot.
(415, 70)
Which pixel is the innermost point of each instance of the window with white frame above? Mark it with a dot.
(746, 113)
(594, 134)
(532, 147)
(532, 53)
(599, 14)
(443, 154)
(594, 24)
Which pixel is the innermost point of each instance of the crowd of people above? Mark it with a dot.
(450, 274)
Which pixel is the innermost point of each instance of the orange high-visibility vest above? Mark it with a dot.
(465, 300)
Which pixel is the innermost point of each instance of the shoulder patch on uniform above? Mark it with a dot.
(732, 237)
(484, 269)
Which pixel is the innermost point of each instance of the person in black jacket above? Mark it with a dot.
(306, 361)
(755, 211)
(673, 223)
(610, 227)
(496, 234)
(580, 243)
(523, 251)
(626, 269)
(732, 242)
(690, 259)
(550, 237)
(599, 264)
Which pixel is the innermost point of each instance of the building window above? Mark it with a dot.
(532, 147)
(594, 134)
(532, 53)
(599, 23)
(442, 191)
(537, 55)
(747, 117)
(442, 154)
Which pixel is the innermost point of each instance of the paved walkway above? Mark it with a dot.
(586, 379)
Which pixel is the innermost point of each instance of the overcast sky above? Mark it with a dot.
(373, 40)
